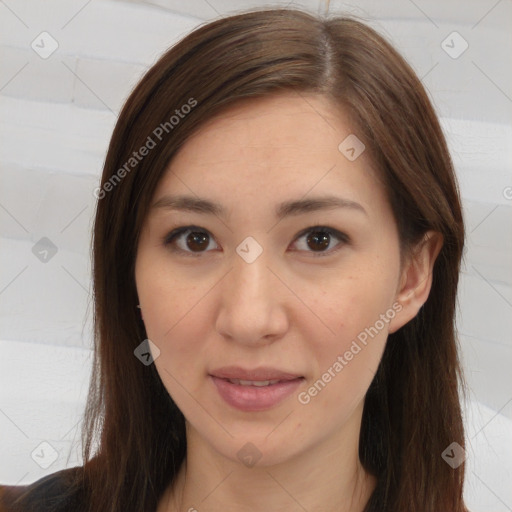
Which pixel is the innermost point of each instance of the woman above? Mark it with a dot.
(276, 257)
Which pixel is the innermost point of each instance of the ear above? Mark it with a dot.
(416, 279)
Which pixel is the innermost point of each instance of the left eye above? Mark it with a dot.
(198, 240)
(320, 237)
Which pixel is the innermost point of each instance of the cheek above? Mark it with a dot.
(345, 366)
(180, 338)
(174, 319)
(179, 332)
(351, 304)
(358, 311)
(168, 300)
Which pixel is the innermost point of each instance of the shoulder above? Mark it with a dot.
(53, 493)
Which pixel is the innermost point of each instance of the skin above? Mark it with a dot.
(291, 308)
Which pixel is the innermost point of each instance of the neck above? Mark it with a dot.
(326, 477)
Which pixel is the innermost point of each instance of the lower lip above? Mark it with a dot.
(253, 398)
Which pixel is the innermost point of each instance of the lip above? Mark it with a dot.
(253, 398)
(262, 373)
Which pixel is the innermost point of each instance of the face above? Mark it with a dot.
(302, 290)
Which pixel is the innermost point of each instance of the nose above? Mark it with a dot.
(252, 309)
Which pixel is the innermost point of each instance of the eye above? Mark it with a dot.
(198, 240)
(319, 238)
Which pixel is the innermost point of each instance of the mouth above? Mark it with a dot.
(257, 383)
(254, 390)
(262, 374)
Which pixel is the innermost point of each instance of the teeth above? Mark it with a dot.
(257, 383)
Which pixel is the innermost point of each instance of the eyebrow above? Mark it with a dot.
(285, 209)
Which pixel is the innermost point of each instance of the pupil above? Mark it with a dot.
(323, 239)
(197, 238)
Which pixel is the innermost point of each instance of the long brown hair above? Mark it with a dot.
(412, 409)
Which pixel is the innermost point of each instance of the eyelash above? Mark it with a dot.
(175, 233)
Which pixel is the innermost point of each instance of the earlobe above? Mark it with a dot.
(416, 278)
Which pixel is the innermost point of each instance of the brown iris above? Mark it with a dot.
(197, 239)
(319, 237)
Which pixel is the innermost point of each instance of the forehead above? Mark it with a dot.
(297, 122)
(273, 147)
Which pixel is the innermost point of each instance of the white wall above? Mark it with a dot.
(56, 117)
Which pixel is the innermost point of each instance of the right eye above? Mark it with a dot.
(196, 242)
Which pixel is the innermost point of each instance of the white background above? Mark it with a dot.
(56, 118)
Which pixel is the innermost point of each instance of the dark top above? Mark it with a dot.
(51, 493)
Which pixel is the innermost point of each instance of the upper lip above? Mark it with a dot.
(263, 373)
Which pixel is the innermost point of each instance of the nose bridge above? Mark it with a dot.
(250, 278)
(250, 308)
